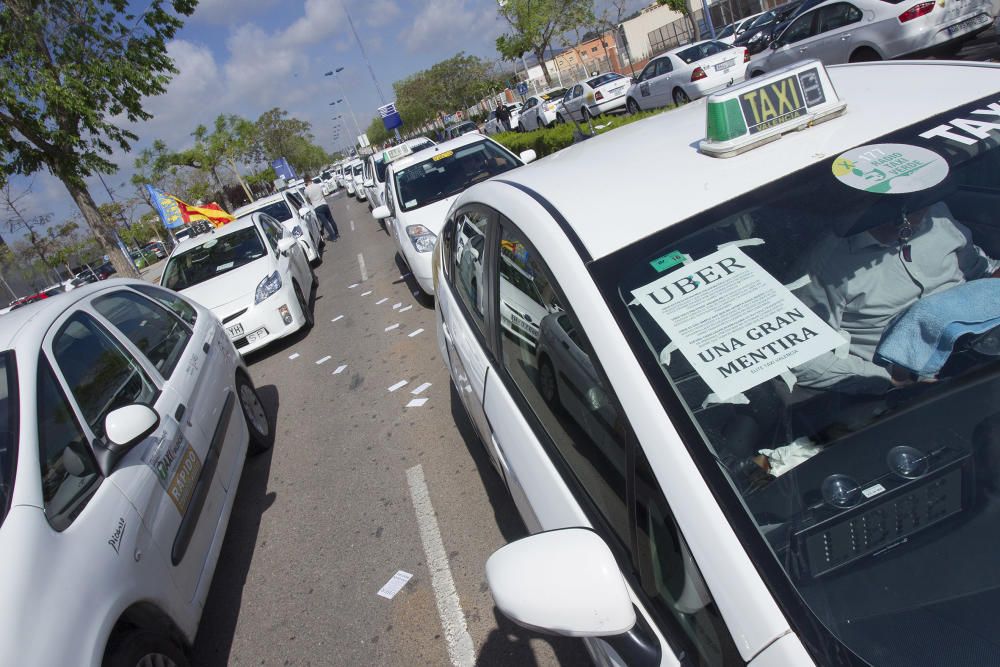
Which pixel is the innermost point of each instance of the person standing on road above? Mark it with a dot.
(314, 191)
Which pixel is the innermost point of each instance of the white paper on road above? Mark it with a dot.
(323, 360)
(293, 356)
(422, 388)
(381, 301)
(340, 369)
(403, 310)
(415, 333)
(734, 322)
(395, 584)
(366, 293)
(392, 326)
(396, 305)
(399, 385)
(338, 317)
(416, 402)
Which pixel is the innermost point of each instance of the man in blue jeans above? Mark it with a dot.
(314, 191)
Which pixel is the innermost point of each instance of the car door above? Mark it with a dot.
(575, 96)
(835, 29)
(645, 97)
(794, 43)
(661, 85)
(527, 119)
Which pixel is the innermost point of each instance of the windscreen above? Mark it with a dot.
(701, 51)
(730, 29)
(214, 257)
(450, 172)
(603, 79)
(8, 430)
(380, 167)
(829, 346)
(278, 210)
(358, 168)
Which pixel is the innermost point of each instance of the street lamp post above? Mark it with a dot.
(334, 73)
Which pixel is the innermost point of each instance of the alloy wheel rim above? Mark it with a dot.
(253, 410)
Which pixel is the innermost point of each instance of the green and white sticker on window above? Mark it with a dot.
(670, 260)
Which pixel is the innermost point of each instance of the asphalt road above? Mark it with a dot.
(327, 517)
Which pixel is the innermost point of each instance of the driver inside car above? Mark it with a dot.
(860, 281)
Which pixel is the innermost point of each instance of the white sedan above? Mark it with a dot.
(251, 274)
(687, 73)
(420, 188)
(840, 31)
(126, 418)
(593, 97)
(290, 209)
(742, 427)
(540, 110)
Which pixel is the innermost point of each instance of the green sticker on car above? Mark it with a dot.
(669, 260)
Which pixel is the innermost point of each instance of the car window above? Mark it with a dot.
(278, 210)
(216, 256)
(176, 303)
(69, 474)
(450, 172)
(801, 28)
(549, 360)
(9, 423)
(836, 16)
(99, 372)
(272, 231)
(603, 79)
(649, 72)
(160, 336)
(470, 250)
(701, 51)
(663, 66)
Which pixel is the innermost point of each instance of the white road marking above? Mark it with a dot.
(323, 360)
(340, 369)
(421, 389)
(352, 225)
(416, 402)
(352, 286)
(396, 305)
(381, 301)
(456, 633)
(361, 265)
(366, 293)
(398, 385)
(415, 333)
(392, 326)
(338, 317)
(293, 356)
(403, 310)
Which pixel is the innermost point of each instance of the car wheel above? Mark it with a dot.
(307, 314)
(144, 648)
(865, 55)
(680, 97)
(560, 119)
(261, 433)
(547, 382)
(632, 107)
(754, 74)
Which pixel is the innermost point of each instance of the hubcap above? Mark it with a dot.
(155, 660)
(253, 410)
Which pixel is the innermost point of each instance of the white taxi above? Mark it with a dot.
(251, 274)
(291, 209)
(376, 164)
(756, 424)
(687, 73)
(125, 419)
(420, 187)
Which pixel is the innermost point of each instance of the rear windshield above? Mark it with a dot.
(829, 347)
(451, 172)
(278, 210)
(214, 257)
(8, 430)
(553, 94)
(604, 78)
(358, 168)
(701, 51)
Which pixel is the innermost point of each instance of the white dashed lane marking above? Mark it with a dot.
(398, 385)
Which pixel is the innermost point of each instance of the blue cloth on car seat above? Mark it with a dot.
(922, 338)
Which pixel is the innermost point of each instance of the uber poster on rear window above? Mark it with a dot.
(735, 323)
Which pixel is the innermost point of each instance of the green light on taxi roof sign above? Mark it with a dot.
(762, 109)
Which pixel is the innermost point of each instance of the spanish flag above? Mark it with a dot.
(176, 213)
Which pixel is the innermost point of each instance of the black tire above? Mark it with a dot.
(632, 107)
(304, 307)
(547, 386)
(865, 55)
(145, 648)
(680, 97)
(254, 414)
(560, 119)
(754, 74)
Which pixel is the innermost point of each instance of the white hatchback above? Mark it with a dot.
(760, 423)
(251, 274)
(125, 418)
(687, 73)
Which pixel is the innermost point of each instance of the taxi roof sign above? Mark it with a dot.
(762, 109)
(395, 152)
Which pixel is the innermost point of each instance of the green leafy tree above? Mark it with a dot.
(684, 7)
(70, 70)
(536, 23)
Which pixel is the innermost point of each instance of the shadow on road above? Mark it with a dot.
(222, 608)
(411, 284)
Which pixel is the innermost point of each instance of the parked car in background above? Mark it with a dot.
(251, 274)
(457, 130)
(736, 28)
(540, 110)
(157, 248)
(291, 210)
(841, 31)
(687, 73)
(591, 98)
(493, 124)
(758, 35)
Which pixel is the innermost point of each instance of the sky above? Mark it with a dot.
(247, 56)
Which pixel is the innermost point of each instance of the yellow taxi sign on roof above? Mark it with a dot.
(764, 108)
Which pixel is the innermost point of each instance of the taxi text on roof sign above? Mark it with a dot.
(764, 108)
(395, 152)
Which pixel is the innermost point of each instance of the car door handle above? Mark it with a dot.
(447, 334)
(844, 38)
(564, 344)
(803, 49)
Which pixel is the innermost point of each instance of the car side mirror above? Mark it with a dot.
(285, 244)
(369, 184)
(381, 212)
(528, 156)
(304, 211)
(124, 428)
(564, 582)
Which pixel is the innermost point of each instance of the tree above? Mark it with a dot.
(17, 219)
(70, 70)
(684, 7)
(535, 24)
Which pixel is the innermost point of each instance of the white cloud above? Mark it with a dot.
(381, 13)
(228, 11)
(449, 17)
(321, 19)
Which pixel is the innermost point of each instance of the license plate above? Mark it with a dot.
(235, 331)
(618, 90)
(968, 24)
(256, 335)
(724, 65)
